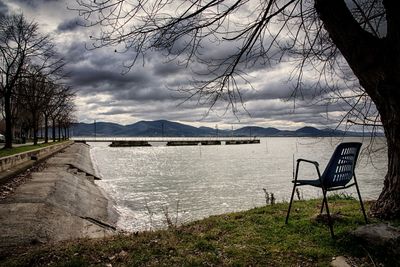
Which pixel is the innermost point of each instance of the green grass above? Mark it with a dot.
(258, 237)
(20, 149)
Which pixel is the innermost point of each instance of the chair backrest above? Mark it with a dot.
(340, 168)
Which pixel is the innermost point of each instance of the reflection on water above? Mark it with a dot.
(192, 182)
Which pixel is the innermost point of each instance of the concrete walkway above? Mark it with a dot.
(59, 203)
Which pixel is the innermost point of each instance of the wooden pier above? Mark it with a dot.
(169, 141)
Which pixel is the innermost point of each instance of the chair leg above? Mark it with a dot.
(361, 202)
(329, 215)
(290, 204)
(322, 206)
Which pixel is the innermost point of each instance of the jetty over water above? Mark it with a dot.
(169, 141)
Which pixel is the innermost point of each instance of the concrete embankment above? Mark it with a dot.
(61, 202)
(15, 164)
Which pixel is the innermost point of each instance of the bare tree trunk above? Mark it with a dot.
(388, 204)
(35, 129)
(46, 128)
(35, 135)
(8, 119)
(59, 131)
(53, 130)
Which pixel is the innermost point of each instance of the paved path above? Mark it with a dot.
(60, 202)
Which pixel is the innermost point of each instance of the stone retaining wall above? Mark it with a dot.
(12, 161)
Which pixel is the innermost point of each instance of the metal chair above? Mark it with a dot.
(337, 175)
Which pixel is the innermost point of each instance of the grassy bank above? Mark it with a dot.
(255, 237)
(4, 152)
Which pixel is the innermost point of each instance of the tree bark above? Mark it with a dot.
(46, 128)
(53, 130)
(35, 128)
(35, 135)
(59, 131)
(8, 119)
(388, 204)
(375, 62)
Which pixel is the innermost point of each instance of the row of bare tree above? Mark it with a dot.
(32, 91)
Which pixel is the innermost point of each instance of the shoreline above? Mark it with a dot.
(111, 208)
(60, 202)
(256, 237)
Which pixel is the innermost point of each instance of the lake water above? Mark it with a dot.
(193, 182)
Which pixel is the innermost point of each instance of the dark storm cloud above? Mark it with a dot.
(161, 69)
(170, 111)
(101, 78)
(282, 90)
(280, 110)
(116, 111)
(36, 3)
(153, 110)
(135, 85)
(99, 71)
(70, 25)
(3, 9)
(271, 91)
(75, 52)
(150, 82)
(147, 94)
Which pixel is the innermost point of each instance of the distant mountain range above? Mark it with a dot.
(169, 128)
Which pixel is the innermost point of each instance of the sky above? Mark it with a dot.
(105, 92)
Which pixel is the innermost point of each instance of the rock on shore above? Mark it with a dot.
(61, 202)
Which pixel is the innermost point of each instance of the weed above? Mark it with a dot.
(150, 214)
(257, 237)
(269, 197)
(266, 196)
(169, 221)
(341, 196)
(272, 199)
(299, 194)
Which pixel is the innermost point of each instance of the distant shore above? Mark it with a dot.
(164, 128)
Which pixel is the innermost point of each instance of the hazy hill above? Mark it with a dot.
(170, 128)
(102, 129)
(162, 128)
(256, 131)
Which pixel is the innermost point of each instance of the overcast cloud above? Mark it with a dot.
(146, 92)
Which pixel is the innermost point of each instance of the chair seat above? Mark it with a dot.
(337, 175)
(315, 183)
